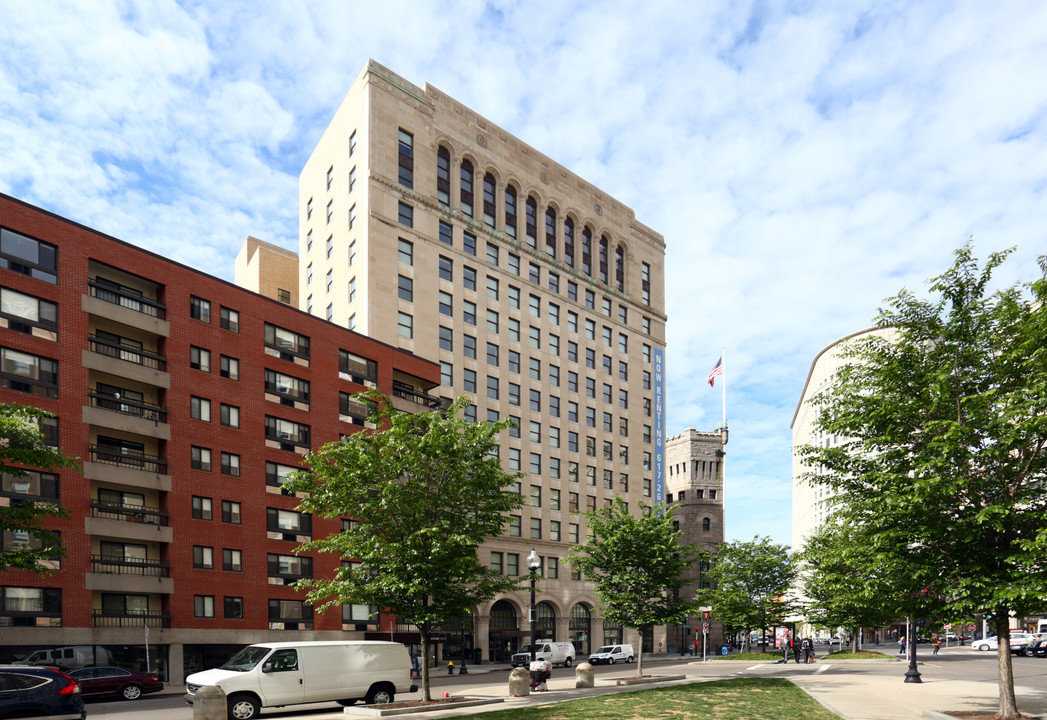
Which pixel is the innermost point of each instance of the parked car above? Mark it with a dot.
(611, 654)
(1037, 646)
(1019, 643)
(115, 681)
(33, 691)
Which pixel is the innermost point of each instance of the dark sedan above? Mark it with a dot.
(34, 691)
(114, 681)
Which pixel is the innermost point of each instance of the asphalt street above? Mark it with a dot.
(959, 667)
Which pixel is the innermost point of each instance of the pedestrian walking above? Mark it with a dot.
(936, 642)
(796, 651)
(808, 650)
(901, 645)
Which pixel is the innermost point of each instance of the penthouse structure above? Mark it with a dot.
(428, 227)
(188, 400)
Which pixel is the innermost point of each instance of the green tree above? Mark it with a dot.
(22, 446)
(944, 420)
(638, 565)
(750, 584)
(846, 585)
(424, 490)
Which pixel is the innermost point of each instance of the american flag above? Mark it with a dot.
(717, 370)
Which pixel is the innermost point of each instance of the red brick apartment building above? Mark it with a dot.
(186, 399)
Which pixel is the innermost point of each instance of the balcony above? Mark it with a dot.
(116, 303)
(127, 361)
(128, 522)
(407, 399)
(137, 469)
(130, 620)
(131, 416)
(128, 575)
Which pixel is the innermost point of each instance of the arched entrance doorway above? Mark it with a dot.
(504, 632)
(580, 629)
(545, 621)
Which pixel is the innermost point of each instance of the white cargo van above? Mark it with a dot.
(611, 654)
(293, 673)
(557, 653)
(70, 657)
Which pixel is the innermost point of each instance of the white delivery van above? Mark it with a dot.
(611, 654)
(70, 657)
(293, 673)
(557, 653)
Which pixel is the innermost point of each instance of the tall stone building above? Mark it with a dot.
(426, 226)
(695, 487)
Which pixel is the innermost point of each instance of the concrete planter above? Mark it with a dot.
(409, 707)
(645, 680)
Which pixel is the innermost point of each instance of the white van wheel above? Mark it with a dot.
(243, 707)
(567, 662)
(630, 659)
(347, 702)
(610, 661)
(379, 695)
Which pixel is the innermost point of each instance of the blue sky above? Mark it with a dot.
(804, 160)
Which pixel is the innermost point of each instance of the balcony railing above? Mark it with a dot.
(128, 353)
(131, 619)
(138, 303)
(124, 406)
(129, 513)
(111, 455)
(119, 565)
(415, 396)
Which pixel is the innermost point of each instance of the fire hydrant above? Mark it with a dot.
(450, 667)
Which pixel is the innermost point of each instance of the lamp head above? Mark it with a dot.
(532, 560)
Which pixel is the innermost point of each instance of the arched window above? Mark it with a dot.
(587, 251)
(443, 177)
(510, 211)
(545, 623)
(489, 200)
(580, 629)
(503, 616)
(466, 197)
(568, 242)
(550, 232)
(619, 268)
(603, 259)
(706, 524)
(531, 222)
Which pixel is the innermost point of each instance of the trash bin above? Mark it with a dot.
(477, 656)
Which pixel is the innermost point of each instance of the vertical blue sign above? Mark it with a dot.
(659, 425)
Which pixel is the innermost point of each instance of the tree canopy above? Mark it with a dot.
(423, 490)
(942, 423)
(750, 584)
(638, 565)
(22, 446)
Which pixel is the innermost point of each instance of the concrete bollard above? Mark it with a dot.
(209, 703)
(519, 682)
(584, 675)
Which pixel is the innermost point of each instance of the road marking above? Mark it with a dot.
(754, 667)
(822, 669)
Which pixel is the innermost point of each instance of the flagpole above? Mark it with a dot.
(724, 387)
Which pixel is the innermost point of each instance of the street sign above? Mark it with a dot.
(972, 628)
(705, 616)
(705, 628)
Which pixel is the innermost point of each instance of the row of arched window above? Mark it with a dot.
(576, 251)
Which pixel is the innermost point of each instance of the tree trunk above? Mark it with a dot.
(424, 629)
(854, 640)
(1008, 709)
(639, 655)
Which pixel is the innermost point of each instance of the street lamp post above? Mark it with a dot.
(532, 563)
(912, 675)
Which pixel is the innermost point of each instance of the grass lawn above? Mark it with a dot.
(759, 656)
(736, 699)
(860, 655)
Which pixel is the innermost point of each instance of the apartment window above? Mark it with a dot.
(623, 343)
(606, 306)
(489, 200)
(469, 381)
(497, 563)
(28, 256)
(554, 313)
(572, 502)
(405, 325)
(534, 304)
(534, 337)
(200, 309)
(554, 375)
(514, 264)
(289, 389)
(446, 339)
(514, 362)
(230, 415)
(352, 179)
(623, 399)
(352, 289)
(445, 305)
(229, 367)
(531, 221)
(201, 508)
(590, 387)
(492, 354)
(232, 560)
(534, 274)
(352, 253)
(647, 407)
(405, 214)
(469, 278)
(572, 475)
(308, 273)
(590, 446)
(572, 351)
(607, 336)
(572, 381)
(446, 374)
(572, 533)
(465, 196)
(288, 522)
(469, 312)
(309, 209)
(554, 531)
(230, 464)
(554, 406)
(287, 344)
(405, 288)
(203, 557)
(536, 496)
(446, 268)
(514, 526)
(287, 432)
(514, 429)
(535, 400)
(200, 408)
(290, 615)
(514, 394)
(572, 321)
(469, 244)
(200, 458)
(607, 390)
(536, 528)
(514, 456)
(572, 290)
(352, 321)
(646, 382)
(26, 312)
(330, 211)
(645, 283)
(492, 387)
(443, 177)
(230, 512)
(608, 480)
(234, 608)
(535, 368)
(406, 158)
(510, 211)
(514, 329)
(512, 562)
(203, 606)
(590, 299)
(492, 288)
(514, 297)
(535, 433)
(469, 346)
(572, 437)
(309, 304)
(229, 319)
(330, 280)
(352, 219)
(492, 253)
(199, 359)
